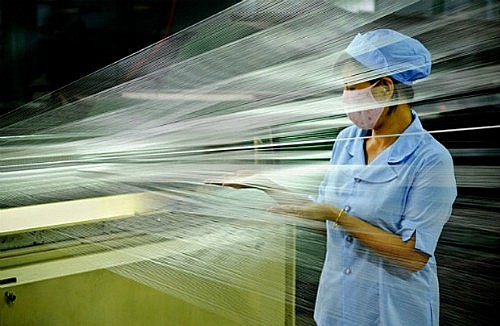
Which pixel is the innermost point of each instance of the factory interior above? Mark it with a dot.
(116, 115)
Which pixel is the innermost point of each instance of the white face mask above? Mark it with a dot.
(361, 107)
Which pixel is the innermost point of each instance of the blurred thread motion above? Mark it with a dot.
(255, 88)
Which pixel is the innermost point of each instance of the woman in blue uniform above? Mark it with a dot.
(386, 196)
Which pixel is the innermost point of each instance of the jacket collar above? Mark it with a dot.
(407, 142)
(403, 147)
(383, 169)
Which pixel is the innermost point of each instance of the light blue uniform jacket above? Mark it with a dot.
(409, 188)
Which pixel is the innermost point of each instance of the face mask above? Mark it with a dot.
(356, 103)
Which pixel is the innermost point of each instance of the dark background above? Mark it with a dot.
(46, 44)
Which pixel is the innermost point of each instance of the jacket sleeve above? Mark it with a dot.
(429, 202)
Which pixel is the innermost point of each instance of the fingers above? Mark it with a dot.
(226, 184)
(212, 182)
(235, 185)
(223, 180)
(238, 180)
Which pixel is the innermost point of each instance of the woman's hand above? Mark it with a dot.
(313, 211)
(249, 179)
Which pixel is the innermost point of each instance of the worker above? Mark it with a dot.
(386, 196)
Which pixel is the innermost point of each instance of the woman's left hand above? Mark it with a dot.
(317, 212)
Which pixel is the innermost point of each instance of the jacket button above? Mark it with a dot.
(349, 238)
(347, 271)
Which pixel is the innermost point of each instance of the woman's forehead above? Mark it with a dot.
(352, 74)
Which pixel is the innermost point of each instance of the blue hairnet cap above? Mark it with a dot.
(391, 53)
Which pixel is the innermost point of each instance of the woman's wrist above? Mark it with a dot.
(338, 216)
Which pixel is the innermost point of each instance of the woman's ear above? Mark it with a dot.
(384, 90)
